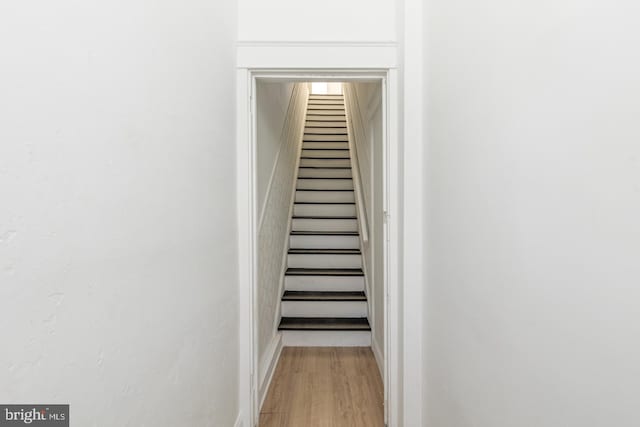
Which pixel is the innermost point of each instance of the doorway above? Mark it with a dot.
(370, 92)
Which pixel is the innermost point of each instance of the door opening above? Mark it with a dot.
(312, 140)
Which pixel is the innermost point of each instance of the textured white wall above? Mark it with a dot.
(274, 100)
(364, 103)
(273, 230)
(117, 221)
(533, 199)
(331, 20)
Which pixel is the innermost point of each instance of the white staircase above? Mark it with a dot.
(324, 303)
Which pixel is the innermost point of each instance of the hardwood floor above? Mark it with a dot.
(325, 387)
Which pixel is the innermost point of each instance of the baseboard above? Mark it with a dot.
(379, 355)
(238, 422)
(268, 366)
(326, 338)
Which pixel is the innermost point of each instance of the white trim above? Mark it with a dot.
(394, 374)
(364, 216)
(377, 352)
(238, 422)
(413, 218)
(285, 43)
(247, 216)
(285, 251)
(363, 219)
(268, 366)
(245, 203)
(320, 56)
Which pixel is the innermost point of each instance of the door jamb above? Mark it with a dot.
(247, 227)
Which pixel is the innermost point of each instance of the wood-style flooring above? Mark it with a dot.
(325, 387)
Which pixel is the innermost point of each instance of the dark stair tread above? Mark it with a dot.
(325, 217)
(324, 324)
(321, 189)
(324, 233)
(324, 167)
(323, 177)
(323, 296)
(305, 251)
(324, 272)
(325, 203)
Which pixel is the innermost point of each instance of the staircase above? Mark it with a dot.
(324, 303)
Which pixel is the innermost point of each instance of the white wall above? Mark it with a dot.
(273, 102)
(273, 229)
(533, 258)
(364, 105)
(117, 219)
(330, 20)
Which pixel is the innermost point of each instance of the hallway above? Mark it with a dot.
(325, 386)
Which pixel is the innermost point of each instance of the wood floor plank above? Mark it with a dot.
(325, 387)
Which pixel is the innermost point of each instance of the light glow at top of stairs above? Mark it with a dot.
(326, 88)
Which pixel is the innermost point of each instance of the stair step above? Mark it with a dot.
(324, 173)
(324, 324)
(325, 107)
(324, 196)
(323, 296)
(324, 233)
(326, 163)
(325, 145)
(324, 283)
(324, 272)
(315, 137)
(321, 153)
(324, 210)
(316, 101)
(324, 184)
(324, 260)
(341, 124)
(325, 130)
(332, 117)
(324, 308)
(328, 251)
(324, 241)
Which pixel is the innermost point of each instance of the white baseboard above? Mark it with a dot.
(379, 355)
(326, 338)
(238, 422)
(268, 366)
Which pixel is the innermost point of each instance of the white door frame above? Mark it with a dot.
(248, 215)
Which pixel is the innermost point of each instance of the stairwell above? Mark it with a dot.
(324, 302)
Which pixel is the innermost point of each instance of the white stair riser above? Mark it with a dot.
(324, 283)
(326, 338)
(325, 184)
(326, 145)
(326, 154)
(324, 242)
(308, 137)
(325, 130)
(322, 123)
(324, 210)
(318, 106)
(324, 261)
(333, 116)
(324, 173)
(322, 224)
(326, 163)
(324, 309)
(327, 101)
(325, 196)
